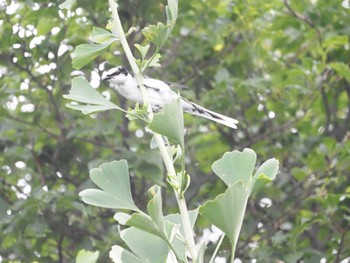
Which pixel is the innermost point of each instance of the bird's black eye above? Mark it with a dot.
(118, 71)
(123, 71)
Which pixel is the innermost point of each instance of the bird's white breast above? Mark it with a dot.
(127, 87)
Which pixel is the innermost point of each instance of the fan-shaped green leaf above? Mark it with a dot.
(113, 179)
(227, 211)
(170, 123)
(81, 91)
(235, 166)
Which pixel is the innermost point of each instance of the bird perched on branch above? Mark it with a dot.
(159, 93)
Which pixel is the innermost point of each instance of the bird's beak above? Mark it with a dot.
(105, 76)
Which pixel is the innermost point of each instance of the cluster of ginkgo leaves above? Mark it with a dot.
(152, 236)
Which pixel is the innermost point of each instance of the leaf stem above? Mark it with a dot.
(233, 251)
(167, 159)
(217, 248)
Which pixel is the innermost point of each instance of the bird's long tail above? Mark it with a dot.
(195, 109)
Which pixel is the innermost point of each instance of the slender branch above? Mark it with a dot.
(327, 109)
(59, 248)
(297, 15)
(346, 122)
(122, 38)
(39, 167)
(217, 248)
(167, 159)
(33, 124)
(302, 18)
(340, 248)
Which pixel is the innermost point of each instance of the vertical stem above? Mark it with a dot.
(186, 223)
(122, 38)
(167, 159)
(179, 198)
(233, 251)
(168, 162)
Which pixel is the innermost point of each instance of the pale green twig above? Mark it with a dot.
(217, 248)
(165, 154)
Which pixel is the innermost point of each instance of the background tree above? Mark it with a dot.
(281, 68)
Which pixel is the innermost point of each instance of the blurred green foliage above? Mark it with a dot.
(281, 68)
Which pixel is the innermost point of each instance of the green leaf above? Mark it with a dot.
(144, 63)
(113, 179)
(335, 42)
(227, 211)
(235, 166)
(122, 218)
(157, 34)
(269, 168)
(342, 70)
(179, 246)
(85, 53)
(265, 174)
(144, 222)
(44, 25)
(141, 221)
(86, 109)
(154, 207)
(200, 256)
(130, 31)
(148, 247)
(101, 36)
(143, 50)
(121, 255)
(295, 256)
(81, 91)
(169, 122)
(85, 256)
(138, 112)
(171, 12)
(154, 61)
(176, 219)
(67, 4)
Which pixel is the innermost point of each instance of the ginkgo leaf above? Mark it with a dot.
(113, 179)
(82, 92)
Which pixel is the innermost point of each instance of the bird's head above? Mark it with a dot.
(116, 75)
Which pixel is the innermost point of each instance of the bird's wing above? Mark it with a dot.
(176, 85)
(156, 84)
(159, 92)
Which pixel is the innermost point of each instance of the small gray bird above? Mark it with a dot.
(159, 93)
